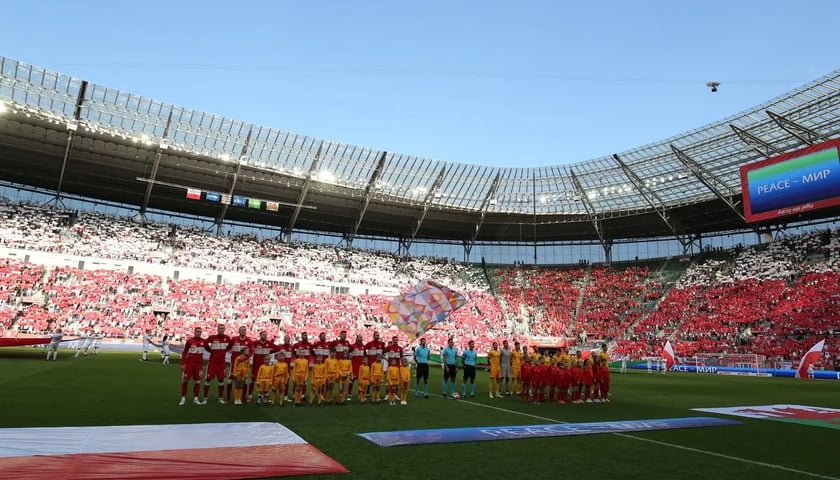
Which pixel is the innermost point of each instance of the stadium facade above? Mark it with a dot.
(68, 139)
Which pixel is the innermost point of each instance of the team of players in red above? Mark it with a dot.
(219, 344)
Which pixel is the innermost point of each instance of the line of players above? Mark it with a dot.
(320, 366)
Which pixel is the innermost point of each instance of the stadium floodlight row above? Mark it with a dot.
(77, 137)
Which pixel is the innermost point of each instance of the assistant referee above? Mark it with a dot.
(421, 356)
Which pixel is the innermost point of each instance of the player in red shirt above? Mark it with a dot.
(302, 348)
(393, 352)
(341, 346)
(357, 352)
(577, 379)
(564, 381)
(218, 346)
(374, 348)
(553, 380)
(262, 347)
(539, 375)
(525, 377)
(191, 362)
(238, 344)
(322, 346)
(286, 354)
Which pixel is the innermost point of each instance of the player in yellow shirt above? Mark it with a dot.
(241, 373)
(376, 378)
(345, 369)
(300, 372)
(279, 380)
(516, 357)
(331, 367)
(319, 381)
(494, 357)
(393, 384)
(264, 381)
(405, 380)
(364, 379)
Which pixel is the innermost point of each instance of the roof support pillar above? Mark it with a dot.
(158, 154)
(427, 203)
(724, 192)
(804, 134)
(377, 172)
(303, 191)
(71, 136)
(223, 211)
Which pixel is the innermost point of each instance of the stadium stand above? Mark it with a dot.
(774, 300)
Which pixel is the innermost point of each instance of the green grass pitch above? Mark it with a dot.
(117, 389)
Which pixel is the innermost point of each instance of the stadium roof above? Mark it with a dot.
(123, 147)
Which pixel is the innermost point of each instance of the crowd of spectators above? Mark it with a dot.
(92, 234)
(774, 300)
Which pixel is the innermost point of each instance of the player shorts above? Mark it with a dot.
(495, 373)
(449, 372)
(216, 370)
(192, 371)
(469, 373)
(516, 372)
(264, 385)
(299, 377)
(279, 382)
(423, 372)
(506, 371)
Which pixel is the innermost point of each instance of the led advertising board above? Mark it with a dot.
(796, 182)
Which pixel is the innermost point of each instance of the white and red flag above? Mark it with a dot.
(810, 358)
(668, 355)
(206, 451)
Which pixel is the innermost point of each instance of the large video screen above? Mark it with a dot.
(792, 183)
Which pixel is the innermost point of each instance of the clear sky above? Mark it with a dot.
(527, 83)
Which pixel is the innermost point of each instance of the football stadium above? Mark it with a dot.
(189, 296)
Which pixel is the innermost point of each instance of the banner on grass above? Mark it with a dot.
(514, 432)
(207, 451)
(802, 414)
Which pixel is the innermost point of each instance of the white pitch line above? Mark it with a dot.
(672, 445)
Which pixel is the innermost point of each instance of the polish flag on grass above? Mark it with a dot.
(809, 358)
(668, 355)
(205, 451)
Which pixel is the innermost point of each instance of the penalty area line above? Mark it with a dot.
(666, 444)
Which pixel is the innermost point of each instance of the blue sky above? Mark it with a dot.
(528, 83)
